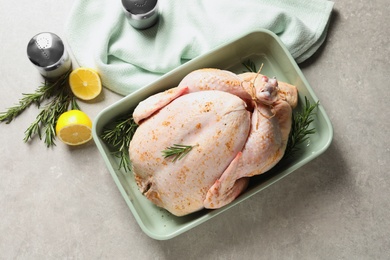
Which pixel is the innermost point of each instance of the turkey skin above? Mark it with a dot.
(237, 126)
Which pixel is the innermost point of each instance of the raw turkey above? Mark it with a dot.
(237, 126)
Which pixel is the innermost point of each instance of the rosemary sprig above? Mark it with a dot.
(250, 66)
(178, 151)
(119, 136)
(45, 91)
(48, 116)
(300, 130)
(59, 98)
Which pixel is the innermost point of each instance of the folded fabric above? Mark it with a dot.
(99, 35)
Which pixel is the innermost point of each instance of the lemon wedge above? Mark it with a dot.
(85, 83)
(74, 127)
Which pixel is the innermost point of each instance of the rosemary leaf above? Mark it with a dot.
(74, 105)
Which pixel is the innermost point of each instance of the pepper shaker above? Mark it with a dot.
(47, 52)
(141, 14)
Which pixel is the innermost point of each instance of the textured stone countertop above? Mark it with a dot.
(62, 203)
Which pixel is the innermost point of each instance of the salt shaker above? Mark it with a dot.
(141, 14)
(47, 52)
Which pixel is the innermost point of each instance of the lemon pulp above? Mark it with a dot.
(74, 127)
(85, 83)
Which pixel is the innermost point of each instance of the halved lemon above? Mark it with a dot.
(85, 83)
(74, 127)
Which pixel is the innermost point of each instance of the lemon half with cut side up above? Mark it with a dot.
(85, 83)
(74, 127)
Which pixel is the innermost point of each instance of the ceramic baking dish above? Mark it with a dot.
(260, 47)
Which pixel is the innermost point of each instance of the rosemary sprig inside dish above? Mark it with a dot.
(177, 151)
(119, 136)
(300, 130)
(250, 66)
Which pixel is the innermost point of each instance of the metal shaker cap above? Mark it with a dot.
(45, 49)
(141, 14)
(47, 52)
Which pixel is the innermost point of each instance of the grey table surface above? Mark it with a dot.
(62, 203)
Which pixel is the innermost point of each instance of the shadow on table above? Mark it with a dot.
(333, 24)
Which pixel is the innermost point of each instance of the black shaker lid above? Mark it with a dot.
(139, 6)
(45, 49)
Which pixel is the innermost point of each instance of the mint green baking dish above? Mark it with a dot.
(261, 47)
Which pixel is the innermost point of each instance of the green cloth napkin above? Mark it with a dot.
(100, 37)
